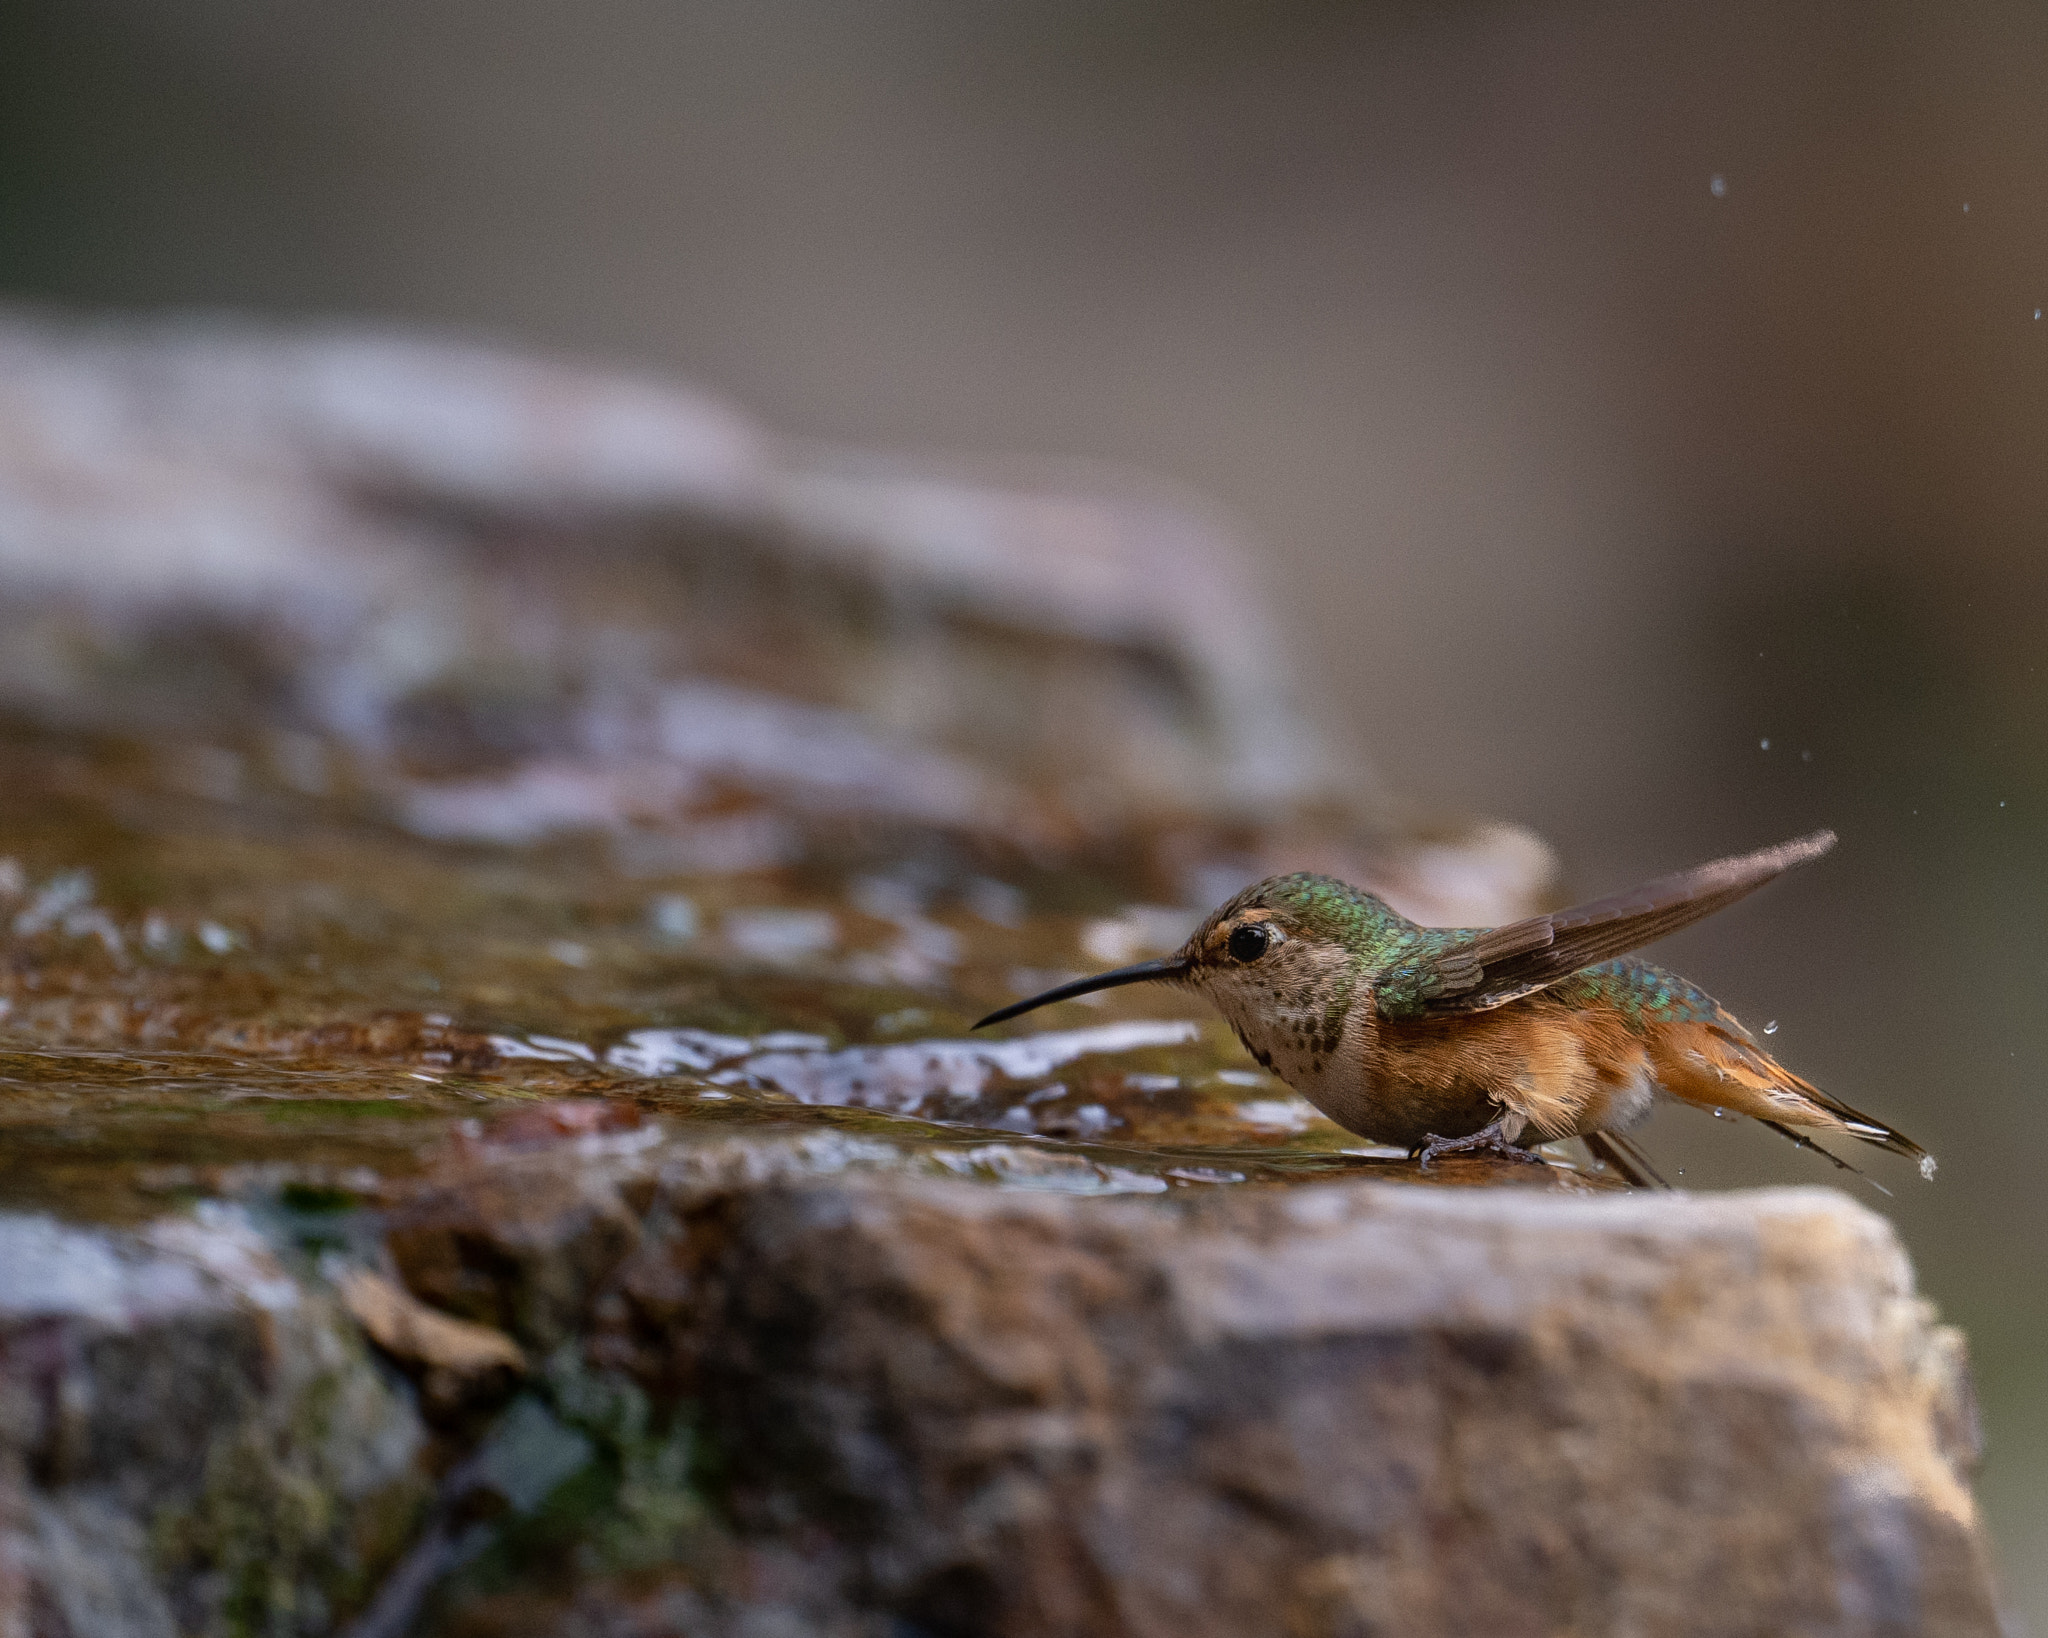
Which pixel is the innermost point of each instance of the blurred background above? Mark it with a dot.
(1642, 411)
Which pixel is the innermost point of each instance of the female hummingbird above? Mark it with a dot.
(1447, 1039)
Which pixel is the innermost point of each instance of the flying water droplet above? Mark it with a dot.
(1717, 185)
(1763, 745)
(1771, 1028)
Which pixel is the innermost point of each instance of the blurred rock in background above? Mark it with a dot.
(517, 598)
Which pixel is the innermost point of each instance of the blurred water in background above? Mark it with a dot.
(1642, 408)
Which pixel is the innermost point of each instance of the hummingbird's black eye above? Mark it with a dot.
(1249, 942)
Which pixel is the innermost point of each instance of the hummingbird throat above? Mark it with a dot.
(1291, 1022)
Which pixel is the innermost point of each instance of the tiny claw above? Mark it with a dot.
(1491, 1137)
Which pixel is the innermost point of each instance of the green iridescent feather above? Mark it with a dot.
(1643, 994)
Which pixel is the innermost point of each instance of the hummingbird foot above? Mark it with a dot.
(1491, 1138)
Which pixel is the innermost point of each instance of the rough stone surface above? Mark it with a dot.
(795, 1384)
(1332, 1410)
(1350, 1411)
(191, 1441)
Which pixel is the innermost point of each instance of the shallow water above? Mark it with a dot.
(259, 992)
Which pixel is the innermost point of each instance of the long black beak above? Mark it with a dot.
(1170, 967)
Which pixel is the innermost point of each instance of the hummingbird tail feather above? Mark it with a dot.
(1715, 1066)
(1860, 1125)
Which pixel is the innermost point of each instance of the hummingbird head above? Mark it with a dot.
(1285, 946)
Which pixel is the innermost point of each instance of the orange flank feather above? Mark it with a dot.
(1562, 1071)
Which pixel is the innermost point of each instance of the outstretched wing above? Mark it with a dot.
(1501, 963)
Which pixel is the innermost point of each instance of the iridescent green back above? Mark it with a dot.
(1643, 994)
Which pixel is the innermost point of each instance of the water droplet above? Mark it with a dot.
(1966, 210)
(1717, 185)
(2037, 312)
(1720, 1115)
(1771, 1028)
(1805, 756)
(1763, 744)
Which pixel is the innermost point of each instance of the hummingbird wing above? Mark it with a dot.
(1487, 968)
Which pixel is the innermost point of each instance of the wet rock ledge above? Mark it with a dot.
(782, 1384)
(498, 862)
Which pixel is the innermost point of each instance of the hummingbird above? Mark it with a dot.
(1447, 1040)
